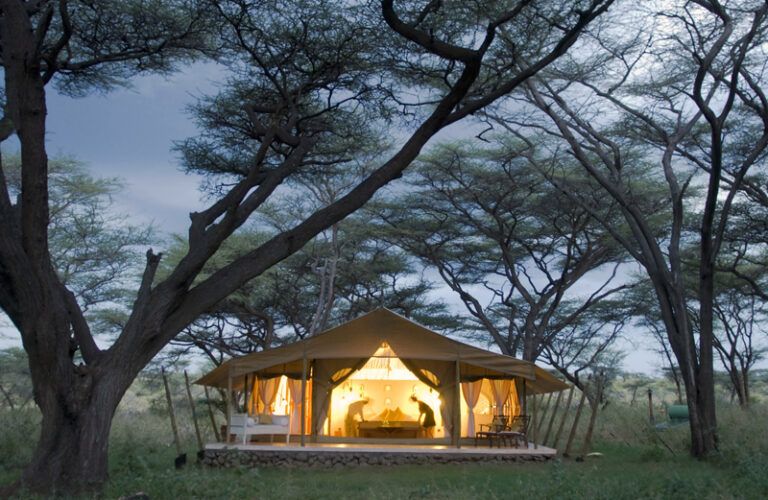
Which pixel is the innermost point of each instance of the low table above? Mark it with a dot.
(373, 429)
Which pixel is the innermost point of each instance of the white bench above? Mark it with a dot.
(243, 427)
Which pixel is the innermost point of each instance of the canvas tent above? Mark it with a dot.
(318, 365)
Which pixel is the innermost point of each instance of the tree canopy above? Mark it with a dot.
(308, 84)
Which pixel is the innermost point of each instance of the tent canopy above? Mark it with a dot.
(360, 338)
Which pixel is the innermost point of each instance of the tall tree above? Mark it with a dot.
(492, 226)
(739, 339)
(688, 85)
(310, 72)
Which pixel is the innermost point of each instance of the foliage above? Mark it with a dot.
(341, 274)
(15, 386)
(96, 252)
(537, 275)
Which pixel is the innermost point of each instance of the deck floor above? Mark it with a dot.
(385, 448)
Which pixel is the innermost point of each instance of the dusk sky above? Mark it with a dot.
(129, 133)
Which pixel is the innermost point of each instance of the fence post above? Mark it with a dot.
(595, 407)
(552, 417)
(565, 417)
(194, 413)
(216, 432)
(572, 434)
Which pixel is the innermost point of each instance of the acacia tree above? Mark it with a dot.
(308, 70)
(738, 341)
(492, 226)
(691, 93)
(280, 305)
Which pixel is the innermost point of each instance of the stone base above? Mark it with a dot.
(327, 459)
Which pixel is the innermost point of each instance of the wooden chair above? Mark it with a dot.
(517, 432)
(498, 424)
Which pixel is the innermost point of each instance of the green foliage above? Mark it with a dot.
(134, 36)
(20, 429)
(494, 225)
(15, 383)
(341, 274)
(95, 251)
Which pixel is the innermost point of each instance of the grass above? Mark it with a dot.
(637, 462)
(621, 473)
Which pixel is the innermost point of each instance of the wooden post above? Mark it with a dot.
(650, 406)
(303, 399)
(181, 458)
(246, 394)
(194, 413)
(544, 412)
(576, 418)
(533, 423)
(524, 399)
(216, 433)
(595, 406)
(229, 405)
(456, 435)
(552, 418)
(565, 417)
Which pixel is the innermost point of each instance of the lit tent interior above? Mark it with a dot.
(357, 380)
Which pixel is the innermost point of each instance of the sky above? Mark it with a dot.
(129, 133)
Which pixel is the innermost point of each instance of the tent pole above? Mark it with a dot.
(246, 395)
(533, 423)
(525, 399)
(456, 437)
(228, 404)
(303, 398)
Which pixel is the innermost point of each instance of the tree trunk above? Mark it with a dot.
(72, 451)
(697, 375)
(739, 384)
(705, 374)
(701, 408)
(745, 387)
(71, 455)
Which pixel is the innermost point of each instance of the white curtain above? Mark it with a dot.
(267, 389)
(294, 389)
(500, 390)
(471, 391)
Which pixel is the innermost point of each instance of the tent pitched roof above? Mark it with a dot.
(361, 337)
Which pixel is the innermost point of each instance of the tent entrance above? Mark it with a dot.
(375, 402)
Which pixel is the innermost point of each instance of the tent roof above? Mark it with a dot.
(361, 337)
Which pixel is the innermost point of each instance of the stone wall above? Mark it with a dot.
(330, 459)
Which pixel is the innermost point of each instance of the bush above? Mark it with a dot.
(20, 433)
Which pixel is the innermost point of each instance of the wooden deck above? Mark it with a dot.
(336, 455)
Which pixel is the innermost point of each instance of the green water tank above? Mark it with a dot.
(677, 413)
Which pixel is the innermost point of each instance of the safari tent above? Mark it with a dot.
(357, 380)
